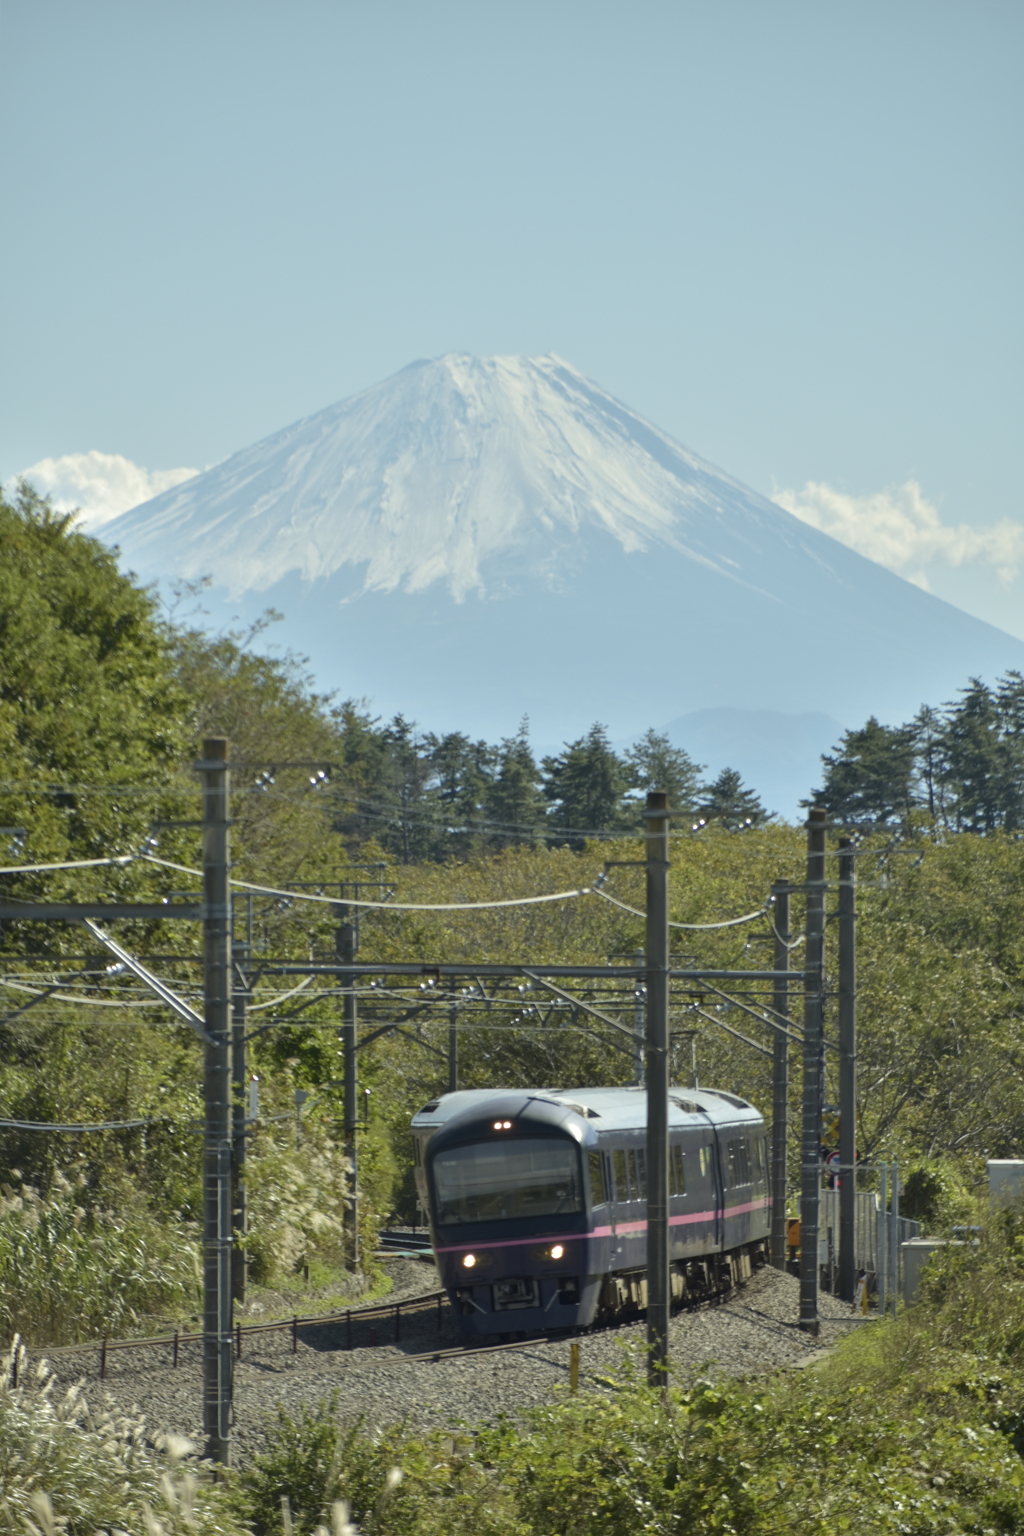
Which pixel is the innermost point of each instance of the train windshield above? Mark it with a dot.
(502, 1180)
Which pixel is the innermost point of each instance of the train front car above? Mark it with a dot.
(508, 1184)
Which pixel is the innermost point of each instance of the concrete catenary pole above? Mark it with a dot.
(847, 1070)
(780, 1079)
(657, 1060)
(810, 1140)
(217, 1379)
(347, 942)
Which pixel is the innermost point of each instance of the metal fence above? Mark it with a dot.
(877, 1236)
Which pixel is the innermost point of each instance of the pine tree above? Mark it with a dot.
(585, 785)
(513, 801)
(869, 778)
(930, 766)
(461, 773)
(654, 763)
(980, 760)
(409, 829)
(728, 802)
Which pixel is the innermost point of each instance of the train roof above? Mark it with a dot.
(607, 1109)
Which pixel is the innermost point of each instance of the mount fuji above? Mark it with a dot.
(477, 539)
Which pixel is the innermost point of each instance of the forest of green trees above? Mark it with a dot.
(104, 701)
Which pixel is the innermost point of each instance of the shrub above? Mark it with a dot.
(812, 1453)
(67, 1274)
(297, 1200)
(64, 1472)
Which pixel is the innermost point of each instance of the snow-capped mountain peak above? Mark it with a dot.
(476, 473)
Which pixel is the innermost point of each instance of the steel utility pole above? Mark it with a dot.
(780, 1079)
(847, 1070)
(638, 1023)
(217, 1379)
(453, 1046)
(659, 1292)
(347, 942)
(240, 954)
(810, 1141)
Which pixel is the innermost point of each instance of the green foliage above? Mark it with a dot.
(297, 1200)
(870, 1443)
(67, 1273)
(86, 689)
(654, 763)
(90, 712)
(870, 776)
(730, 804)
(66, 1472)
(513, 799)
(585, 784)
(933, 1192)
(962, 764)
(283, 829)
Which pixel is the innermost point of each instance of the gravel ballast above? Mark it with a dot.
(752, 1331)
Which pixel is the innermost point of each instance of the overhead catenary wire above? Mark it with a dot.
(731, 922)
(102, 1125)
(57, 993)
(35, 869)
(280, 997)
(400, 906)
(382, 906)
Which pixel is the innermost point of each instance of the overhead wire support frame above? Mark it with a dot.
(582, 972)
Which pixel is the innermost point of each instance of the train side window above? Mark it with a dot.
(641, 1172)
(738, 1155)
(705, 1161)
(634, 1185)
(677, 1177)
(595, 1163)
(761, 1152)
(621, 1187)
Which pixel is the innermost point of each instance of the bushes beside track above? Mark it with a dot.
(915, 1427)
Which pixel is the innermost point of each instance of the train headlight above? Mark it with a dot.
(557, 1251)
(503, 1125)
(469, 1261)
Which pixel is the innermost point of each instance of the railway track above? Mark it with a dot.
(350, 1320)
(367, 1327)
(404, 1240)
(430, 1378)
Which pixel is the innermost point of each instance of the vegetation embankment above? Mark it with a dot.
(915, 1427)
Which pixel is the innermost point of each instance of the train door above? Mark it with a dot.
(718, 1185)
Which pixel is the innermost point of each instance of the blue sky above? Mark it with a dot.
(791, 234)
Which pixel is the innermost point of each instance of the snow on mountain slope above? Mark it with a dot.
(478, 473)
(477, 539)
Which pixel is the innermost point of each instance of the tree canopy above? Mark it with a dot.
(962, 765)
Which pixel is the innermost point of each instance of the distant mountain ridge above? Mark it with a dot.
(475, 539)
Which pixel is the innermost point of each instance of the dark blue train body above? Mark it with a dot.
(537, 1201)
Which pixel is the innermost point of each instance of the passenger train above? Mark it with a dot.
(537, 1201)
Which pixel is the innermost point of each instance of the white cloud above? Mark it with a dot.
(901, 529)
(101, 485)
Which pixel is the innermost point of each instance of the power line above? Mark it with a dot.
(384, 906)
(45, 1125)
(33, 869)
(731, 922)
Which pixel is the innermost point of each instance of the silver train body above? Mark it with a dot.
(537, 1201)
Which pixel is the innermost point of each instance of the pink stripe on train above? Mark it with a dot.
(627, 1227)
